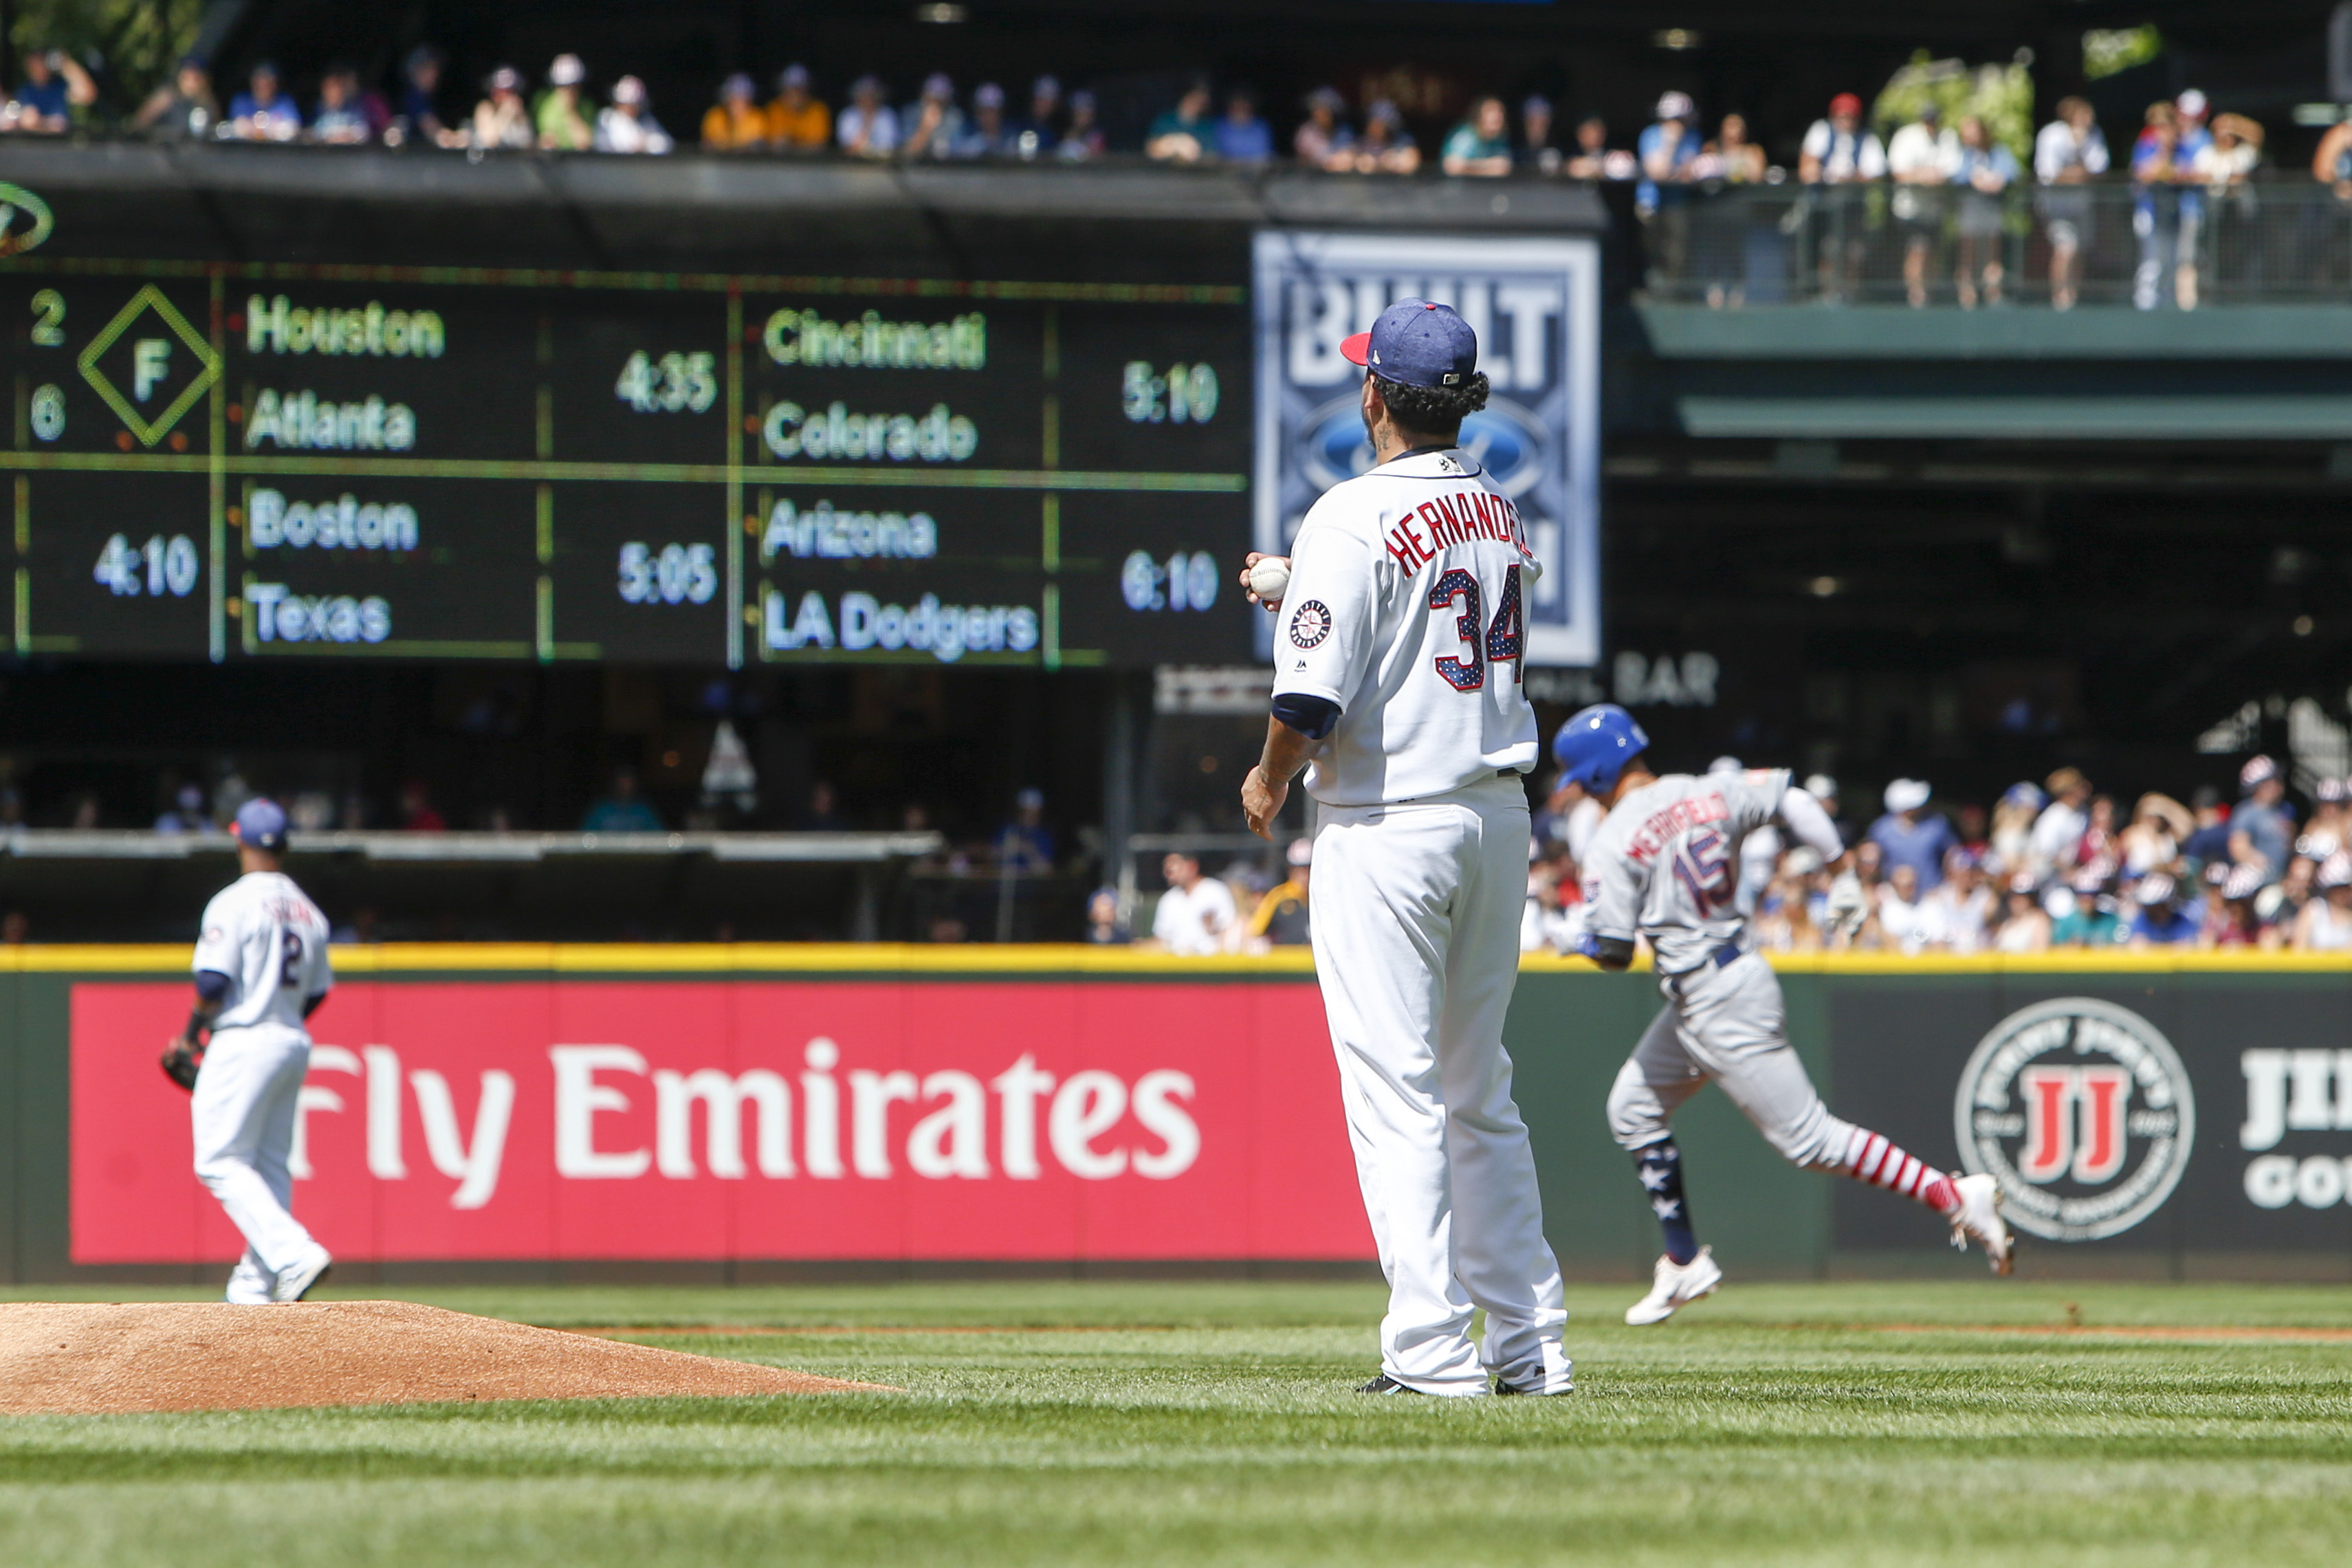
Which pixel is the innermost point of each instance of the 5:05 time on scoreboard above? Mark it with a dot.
(359, 464)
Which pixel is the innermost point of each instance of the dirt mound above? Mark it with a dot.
(102, 1360)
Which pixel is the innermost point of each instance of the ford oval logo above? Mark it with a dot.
(1503, 437)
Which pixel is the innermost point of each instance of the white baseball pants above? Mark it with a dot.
(1726, 1024)
(1416, 935)
(243, 1111)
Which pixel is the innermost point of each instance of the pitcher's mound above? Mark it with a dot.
(105, 1360)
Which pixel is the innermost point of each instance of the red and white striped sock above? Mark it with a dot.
(1874, 1158)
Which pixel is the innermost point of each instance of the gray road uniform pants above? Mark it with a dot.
(1724, 1020)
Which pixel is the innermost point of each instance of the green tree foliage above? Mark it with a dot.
(131, 46)
(2001, 96)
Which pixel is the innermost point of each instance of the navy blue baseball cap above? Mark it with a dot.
(1418, 342)
(261, 822)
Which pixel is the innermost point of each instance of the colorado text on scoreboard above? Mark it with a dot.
(1535, 305)
(717, 1119)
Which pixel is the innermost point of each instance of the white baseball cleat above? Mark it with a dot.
(1675, 1285)
(294, 1280)
(1978, 1220)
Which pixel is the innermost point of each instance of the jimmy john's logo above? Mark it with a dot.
(2083, 1113)
(1310, 623)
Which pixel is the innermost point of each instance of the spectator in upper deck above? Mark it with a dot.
(622, 811)
(502, 119)
(1480, 146)
(1535, 154)
(798, 121)
(561, 125)
(1025, 844)
(986, 135)
(1242, 136)
(735, 123)
(627, 124)
(1323, 140)
(1837, 156)
(183, 107)
(54, 85)
(1386, 147)
(932, 125)
(1183, 134)
(1665, 149)
(1921, 158)
(341, 117)
(2068, 155)
(1590, 159)
(868, 128)
(420, 114)
(262, 113)
(1032, 135)
(1984, 172)
(1081, 139)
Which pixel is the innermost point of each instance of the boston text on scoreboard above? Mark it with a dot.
(255, 462)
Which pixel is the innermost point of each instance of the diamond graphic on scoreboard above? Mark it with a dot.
(167, 373)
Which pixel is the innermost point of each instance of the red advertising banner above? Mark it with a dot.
(752, 1119)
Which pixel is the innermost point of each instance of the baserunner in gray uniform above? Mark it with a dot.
(1665, 865)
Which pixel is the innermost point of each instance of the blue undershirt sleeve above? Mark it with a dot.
(1311, 716)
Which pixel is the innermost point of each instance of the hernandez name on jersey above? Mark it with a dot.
(1406, 608)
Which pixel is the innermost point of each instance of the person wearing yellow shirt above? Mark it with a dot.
(1281, 917)
(735, 125)
(798, 121)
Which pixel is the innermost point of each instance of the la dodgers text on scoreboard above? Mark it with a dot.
(245, 463)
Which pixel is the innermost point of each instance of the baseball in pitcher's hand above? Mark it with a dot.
(1249, 565)
(1262, 802)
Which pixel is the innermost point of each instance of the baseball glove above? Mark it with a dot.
(180, 1062)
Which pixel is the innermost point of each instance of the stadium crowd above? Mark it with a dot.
(2052, 865)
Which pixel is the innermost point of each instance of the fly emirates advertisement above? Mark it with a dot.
(789, 1119)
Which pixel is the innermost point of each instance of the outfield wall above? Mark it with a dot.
(537, 1112)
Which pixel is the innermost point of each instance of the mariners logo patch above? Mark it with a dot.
(2083, 1113)
(1310, 623)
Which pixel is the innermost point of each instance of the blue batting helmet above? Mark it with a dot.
(1593, 747)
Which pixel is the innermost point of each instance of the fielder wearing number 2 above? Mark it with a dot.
(261, 972)
(1397, 673)
(1665, 864)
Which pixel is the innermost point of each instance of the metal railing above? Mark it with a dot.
(2161, 248)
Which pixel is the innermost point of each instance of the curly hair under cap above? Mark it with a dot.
(1434, 411)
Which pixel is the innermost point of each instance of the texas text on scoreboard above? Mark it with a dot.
(255, 462)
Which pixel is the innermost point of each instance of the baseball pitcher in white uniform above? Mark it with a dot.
(261, 971)
(1665, 865)
(1397, 676)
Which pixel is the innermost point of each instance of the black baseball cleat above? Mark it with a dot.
(1384, 1384)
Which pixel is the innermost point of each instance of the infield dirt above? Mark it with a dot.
(89, 1360)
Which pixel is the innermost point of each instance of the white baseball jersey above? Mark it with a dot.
(1666, 862)
(1406, 607)
(270, 940)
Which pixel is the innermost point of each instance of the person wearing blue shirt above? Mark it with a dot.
(1664, 150)
(2163, 919)
(43, 101)
(622, 811)
(1910, 838)
(1242, 136)
(262, 113)
(2262, 819)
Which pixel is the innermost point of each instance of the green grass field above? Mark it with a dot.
(1903, 1425)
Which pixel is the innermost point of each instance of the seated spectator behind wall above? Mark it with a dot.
(1909, 836)
(2058, 831)
(1242, 136)
(2325, 924)
(1183, 134)
(1194, 912)
(1480, 146)
(621, 810)
(932, 125)
(2025, 927)
(1984, 174)
(2069, 153)
(1323, 140)
(1730, 159)
(261, 112)
(1280, 920)
(561, 125)
(2164, 918)
(1034, 134)
(1922, 159)
(1385, 147)
(2331, 161)
(1026, 844)
(627, 124)
(419, 119)
(502, 119)
(54, 85)
(182, 108)
(986, 135)
(868, 128)
(798, 121)
(1960, 911)
(1081, 139)
(186, 813)
(1104, 927)
(341, 118)
(1535, 154)
(735, 123)
(1590, 159)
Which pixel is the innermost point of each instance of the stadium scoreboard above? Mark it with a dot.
(232, 463)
